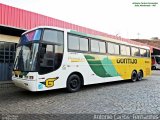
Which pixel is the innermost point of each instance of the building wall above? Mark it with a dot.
(8, 38)
(155, 43)
(7, 54)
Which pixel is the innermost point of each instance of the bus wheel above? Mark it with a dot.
(73, 83)
(153, 67)
(134, 76)
(139, 75)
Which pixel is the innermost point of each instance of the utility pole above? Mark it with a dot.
(138, 35)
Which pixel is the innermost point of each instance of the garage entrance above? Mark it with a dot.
(7, 54)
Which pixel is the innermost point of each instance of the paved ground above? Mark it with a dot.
(116, 98)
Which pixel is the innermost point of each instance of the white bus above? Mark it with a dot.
(50, 58)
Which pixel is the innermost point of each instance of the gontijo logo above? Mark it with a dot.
(49, 82)
(127, 61)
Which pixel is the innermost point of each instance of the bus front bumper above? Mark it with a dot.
(25, 84)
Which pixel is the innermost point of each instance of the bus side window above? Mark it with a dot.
(113, 48)
(110, 48)
(46, 59)
(135, 51)
(143, 53)
(148, 53)
(94, 46)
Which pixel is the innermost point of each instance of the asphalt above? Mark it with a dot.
(115, 98)
(6, 84)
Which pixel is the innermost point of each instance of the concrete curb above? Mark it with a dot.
(6, 84)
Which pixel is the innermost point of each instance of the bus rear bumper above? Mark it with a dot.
(25, 84)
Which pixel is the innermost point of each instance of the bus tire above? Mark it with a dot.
(134, 76)
(153, 67)
(139, 75)
(73, 83)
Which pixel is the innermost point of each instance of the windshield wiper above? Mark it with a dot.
(20, 63)
(15, 65)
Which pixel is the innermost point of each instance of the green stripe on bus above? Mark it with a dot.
(102, 68)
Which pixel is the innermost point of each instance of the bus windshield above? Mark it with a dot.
(26, 53)
(37, 53)
(26, 56)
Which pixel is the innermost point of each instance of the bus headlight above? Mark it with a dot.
(31, 77)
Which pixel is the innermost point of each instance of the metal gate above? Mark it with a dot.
(7, 54)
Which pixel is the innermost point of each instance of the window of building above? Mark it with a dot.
(7, 52)
(2, 46)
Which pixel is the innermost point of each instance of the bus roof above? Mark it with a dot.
(57, 28)
(91, 36)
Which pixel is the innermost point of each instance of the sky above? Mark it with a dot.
(116, 17)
